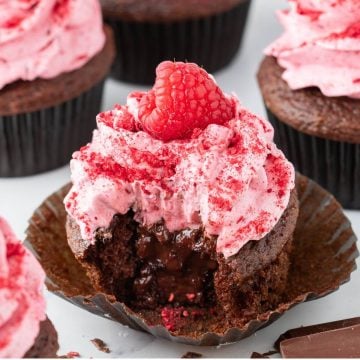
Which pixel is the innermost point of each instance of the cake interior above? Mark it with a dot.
(178, 279)
(151, 267)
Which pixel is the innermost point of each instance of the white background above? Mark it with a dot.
(19, 197)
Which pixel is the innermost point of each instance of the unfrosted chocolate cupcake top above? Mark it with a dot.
(164, 10)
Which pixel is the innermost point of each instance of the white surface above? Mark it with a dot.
(19, 197)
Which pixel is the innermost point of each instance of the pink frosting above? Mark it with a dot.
(231, 179)
(320, 46)
(44, 38)
(22, 305)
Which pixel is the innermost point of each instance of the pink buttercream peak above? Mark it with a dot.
(45, 38)
(229, 178)
(320, 46)
(22, 305)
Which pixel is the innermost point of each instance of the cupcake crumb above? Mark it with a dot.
(100, 345)
(256, 355)
(192, 355)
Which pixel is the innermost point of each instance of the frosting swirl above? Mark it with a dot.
(230, 178)
(44, 38)
(22, 305)
(320, 46)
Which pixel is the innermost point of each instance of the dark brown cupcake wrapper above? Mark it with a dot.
(210, 42)
(43, 140)
(323, 242)
(335, 165)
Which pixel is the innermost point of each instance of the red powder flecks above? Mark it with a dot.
(353, 31)
(106, 166)
(259, 224)
(14, 249)
(119, 118)
(72, 200)
(73, 354)
(70, 355)
(13, 22)
(107, 118)
(61, 9)
(221, 203)
(172, 316)
(312, 14)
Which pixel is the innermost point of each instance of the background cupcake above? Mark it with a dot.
(310, 81)
(25, 330)
(54, 56)
(149, 31)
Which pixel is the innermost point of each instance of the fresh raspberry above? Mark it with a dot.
(183, 98)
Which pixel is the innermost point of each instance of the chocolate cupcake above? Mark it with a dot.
(52, 70)
(310, 82)
(25, 331)
(150, 31)
(323, 257)
(182, 207)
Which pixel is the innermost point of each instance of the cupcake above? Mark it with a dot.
(182, 207)
(150, 31)
(25, 331)
(54, 59)
(310, 82)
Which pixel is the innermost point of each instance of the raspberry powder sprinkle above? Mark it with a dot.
(185, 153)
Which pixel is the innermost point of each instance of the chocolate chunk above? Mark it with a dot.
(338, 339)
(191, 355)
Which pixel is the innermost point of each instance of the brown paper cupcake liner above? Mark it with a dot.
(210, 42)
(43, 140)
(322, 259)
(335, 165)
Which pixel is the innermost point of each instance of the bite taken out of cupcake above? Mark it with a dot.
(310, 82)
(54, 57)
(25, 331)
(182, 207)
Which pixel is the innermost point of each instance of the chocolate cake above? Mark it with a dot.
(46, 344)
(148, 32)
(151, 269)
